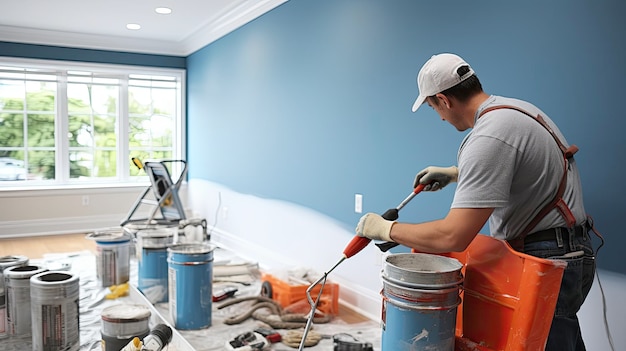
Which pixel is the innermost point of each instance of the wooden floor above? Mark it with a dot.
(37, 246)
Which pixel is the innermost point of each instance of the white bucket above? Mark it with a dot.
(113, 248)
(54, 299)
(6, 262)
(17, 279)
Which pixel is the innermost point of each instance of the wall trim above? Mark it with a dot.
(58, 226)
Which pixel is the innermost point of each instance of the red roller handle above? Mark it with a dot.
(418, 189)
(355, 245)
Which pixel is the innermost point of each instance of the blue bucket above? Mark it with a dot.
(190, 276)
(420, 299)
(152, 244)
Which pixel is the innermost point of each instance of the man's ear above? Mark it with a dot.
(443, 100)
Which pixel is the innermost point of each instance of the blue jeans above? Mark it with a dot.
(578, 277)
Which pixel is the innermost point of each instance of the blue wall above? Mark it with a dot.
(311, 103)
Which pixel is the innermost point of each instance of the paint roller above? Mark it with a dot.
(355, 246)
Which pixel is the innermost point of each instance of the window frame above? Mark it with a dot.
(62, 175)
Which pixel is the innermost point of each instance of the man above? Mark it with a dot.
(512, 172)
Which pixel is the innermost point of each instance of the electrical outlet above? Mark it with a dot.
(85, 200)
(224, 213)
(358, 203)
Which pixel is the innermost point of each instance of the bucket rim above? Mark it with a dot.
(12, 260)
(191, 249)
(36, 279)
(405, 284)
(109, 236)
(15, 272)
(458, 265)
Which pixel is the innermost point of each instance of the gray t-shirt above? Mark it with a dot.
(510, 162)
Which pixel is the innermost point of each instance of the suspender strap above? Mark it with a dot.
(567, 152)
(558, 201)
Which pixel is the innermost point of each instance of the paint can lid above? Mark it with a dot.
(110, 236)
(125, 320)
(125, 313)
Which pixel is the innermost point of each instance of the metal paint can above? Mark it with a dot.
(121, 323)
(152, 266)
(190, 275)
(420, 298)
(17, 282)
(54, 299)
(191, 230)
(133, 227)
(113, 248)
(6, 262)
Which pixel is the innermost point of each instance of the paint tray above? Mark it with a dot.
(287, 294)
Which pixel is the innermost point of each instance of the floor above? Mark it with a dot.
(37, 246)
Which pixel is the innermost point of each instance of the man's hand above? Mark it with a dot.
(374, 227)
(436, 178)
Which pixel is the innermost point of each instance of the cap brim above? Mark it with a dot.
(418, 102)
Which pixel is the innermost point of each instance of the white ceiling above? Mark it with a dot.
(101, 24)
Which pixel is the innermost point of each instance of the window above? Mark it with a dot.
(81, 124)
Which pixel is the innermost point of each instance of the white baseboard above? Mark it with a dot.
(56, 226)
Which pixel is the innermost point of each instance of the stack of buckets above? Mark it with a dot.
(39, 303)
(420, 299)
(175, 265)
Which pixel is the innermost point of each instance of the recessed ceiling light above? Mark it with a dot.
(133, 26)
(163, 10)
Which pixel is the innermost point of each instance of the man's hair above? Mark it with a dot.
(464, 90)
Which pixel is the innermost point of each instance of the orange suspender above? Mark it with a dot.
(558, 201)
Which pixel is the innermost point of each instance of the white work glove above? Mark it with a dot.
(436, 178)
(374, 227)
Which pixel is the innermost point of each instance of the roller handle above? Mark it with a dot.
(355, 245)
(358, 243)
(386, 246)
(393, 215)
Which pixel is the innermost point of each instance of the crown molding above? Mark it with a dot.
(213, 30)
(89, 41)
(226, 23)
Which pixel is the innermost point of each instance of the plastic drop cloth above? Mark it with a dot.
(215, 337)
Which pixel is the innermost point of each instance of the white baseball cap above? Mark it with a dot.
(438, 74)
